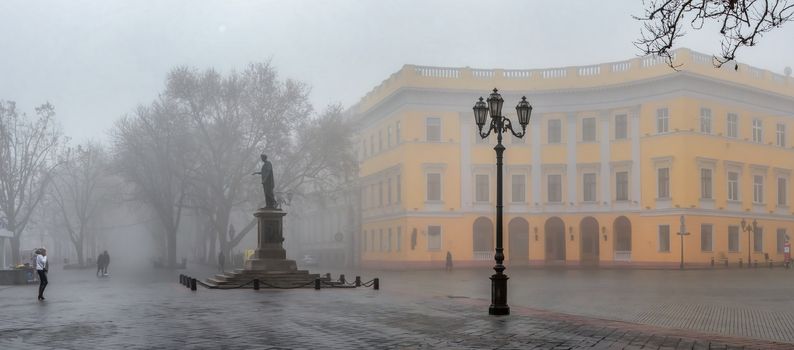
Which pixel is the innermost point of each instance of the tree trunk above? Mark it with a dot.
(15, 250)
(80, 256)
(172, 248)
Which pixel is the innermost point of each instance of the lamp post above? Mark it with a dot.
(498, 125)
(750, 229)
(682, 232)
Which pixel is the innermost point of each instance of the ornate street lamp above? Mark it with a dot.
(750, 229)
(500, 124)
(682, 232)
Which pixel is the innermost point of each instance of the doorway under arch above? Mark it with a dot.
(555, 239)
(622, 229)
(589, 249)
(518, 231)
(483, 239)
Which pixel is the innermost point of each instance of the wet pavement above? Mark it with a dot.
(416, 310)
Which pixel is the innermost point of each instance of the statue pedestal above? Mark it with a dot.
(270, 254)
(269, 263)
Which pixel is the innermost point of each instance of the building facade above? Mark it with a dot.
(615, 154)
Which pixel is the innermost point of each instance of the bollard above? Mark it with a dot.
(256, 284)
(712, 261)
(755, 264)
(358, 281)
(376, 284)
(316, 284)
(342, 279)
(328, 276)
(193, 284)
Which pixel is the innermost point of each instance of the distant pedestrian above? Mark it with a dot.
(42, 267)
(221, 260)
(448, 266)
(99, 262)
(105, 263)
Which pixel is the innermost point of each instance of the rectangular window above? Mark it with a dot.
(433, 129)
(733, 238)
(519, 188)
(705, 120)
(380, 240)
(388, 136)
(622, 186)
(380, 193)
(662, 120)
(388, 241)
(663, 178)
(380, 140)
(706, 237)
(555, 188)
(733, 186)
(399, 238)
(555, 131)
(397, 133)
(399, 189)
(388, 192)
(371, 144)
(732, 125)
(781, 135)
(482, 187)
(758, 188)
(705, 183)
(758, 135)
(781, 191)
(758, 240)
(589, 187)
(364, 241)
(433, 237)
(588, 130)
(781, 239)
(621, 127)
(434, 187)
(664, 238)
(372, 241)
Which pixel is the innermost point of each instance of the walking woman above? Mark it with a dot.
(41, 268)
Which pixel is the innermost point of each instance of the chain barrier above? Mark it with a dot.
(187, 281)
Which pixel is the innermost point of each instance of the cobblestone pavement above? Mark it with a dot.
(750, 303)
(82, 312)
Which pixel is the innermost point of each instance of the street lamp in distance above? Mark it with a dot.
(499, 124)
(750, 229)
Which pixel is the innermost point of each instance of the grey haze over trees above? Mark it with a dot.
(28, 147)
(741, 23)
(78, 193)
(153, 151)
(197, 145)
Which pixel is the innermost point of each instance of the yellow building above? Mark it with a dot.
(615, 154)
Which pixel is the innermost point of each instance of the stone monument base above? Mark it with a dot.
(269, 262)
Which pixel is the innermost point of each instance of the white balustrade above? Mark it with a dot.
(483, 255)
(621, 66)
(438, 72)
(589, 71)
(517, 74)
(482, 73)
(554, 73)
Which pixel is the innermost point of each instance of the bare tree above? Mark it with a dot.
(27, 158)
(78, 193)
(742, 23)
(152, 151)
(232, 120)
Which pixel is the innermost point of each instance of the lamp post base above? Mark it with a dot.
(499, 295)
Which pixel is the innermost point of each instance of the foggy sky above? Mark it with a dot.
(97, 60)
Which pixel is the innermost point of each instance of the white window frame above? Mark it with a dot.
(780, 131)
(440, 236)
(595, 187)
(758, 189)
(659, 183)
(758, 131)
(549, 131)
(594, 129)
(711, 184)
(428, 126)
(732, 126)
(440, 185)
(548, 188)
(513, 198)
(625, 129)
(662, 120)
(705, 120)
(659, 239)
(487, 189)
(737, 190)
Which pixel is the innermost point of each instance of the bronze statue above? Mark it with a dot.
(267, 182)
